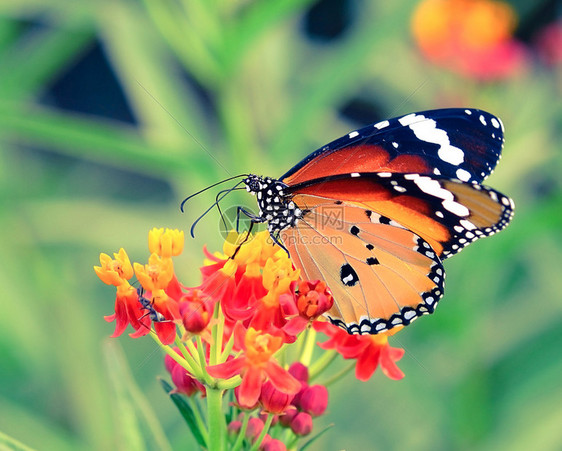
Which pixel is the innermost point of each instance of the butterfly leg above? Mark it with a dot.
(249, 214)
(277, 241)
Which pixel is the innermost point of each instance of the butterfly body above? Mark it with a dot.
(375, 212)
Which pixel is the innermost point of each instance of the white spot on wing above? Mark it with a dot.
(355, 174)
(353, 134)
(483, 119)
(455, 208)
(467, 224)
(463, 175)
(426, 130)
(381, 124)
(495, 123)
(433, 187)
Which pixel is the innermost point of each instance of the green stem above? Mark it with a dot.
(336, 377)
(188, 359)
(306, 355)
(190, 366)
(229, 384)
(321, 364)
(240, 439)
(217, 425)
(202, 359)
(219, 328)
(264, 431)
(227, 349)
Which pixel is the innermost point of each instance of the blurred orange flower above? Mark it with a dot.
(471, 37)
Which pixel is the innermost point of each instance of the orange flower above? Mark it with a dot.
(256, 365)
(157, 274)
(165, 243)
(472, 37)
(114, 271)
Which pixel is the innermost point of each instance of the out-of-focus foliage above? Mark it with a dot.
(112, 111)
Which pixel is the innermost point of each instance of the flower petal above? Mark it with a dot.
(228, 369)
(282, 379)
(250, 388)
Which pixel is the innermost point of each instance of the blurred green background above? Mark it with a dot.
(112, 111)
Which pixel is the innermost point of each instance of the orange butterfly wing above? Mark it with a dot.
(448, 214)
(377, 239)
(381, 275)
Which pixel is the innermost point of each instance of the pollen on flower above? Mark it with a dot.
(114, 271)
(157, 274)
(261, 346)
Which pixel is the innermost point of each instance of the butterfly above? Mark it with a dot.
(375, 212)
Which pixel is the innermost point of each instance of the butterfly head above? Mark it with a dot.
(275, 204)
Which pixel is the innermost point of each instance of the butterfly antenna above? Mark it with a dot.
(226, 193)
(209, 187)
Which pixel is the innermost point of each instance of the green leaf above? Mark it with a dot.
(258, 18)
(186, 412)
(313, 439)
(9, 443)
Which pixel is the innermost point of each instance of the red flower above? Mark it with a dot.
(471, 37)
(128, 311)
(255, 365)
(168, 309)
(369, 350)
(312, 299)
(196, 311)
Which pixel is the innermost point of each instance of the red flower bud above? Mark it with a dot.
(234, 427)
(299, 372)
(255, 426)
(314, 400)
(314, 298)
(169, 362)
(196, 311)
(273, 400)
(272, 444)
(286, 418)
(301, 424)
(184, 382)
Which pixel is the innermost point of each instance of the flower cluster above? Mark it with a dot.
(235, 335)
(471, 37)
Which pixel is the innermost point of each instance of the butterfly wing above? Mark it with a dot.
(456, 143)
(381, 274)
(448, 214)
